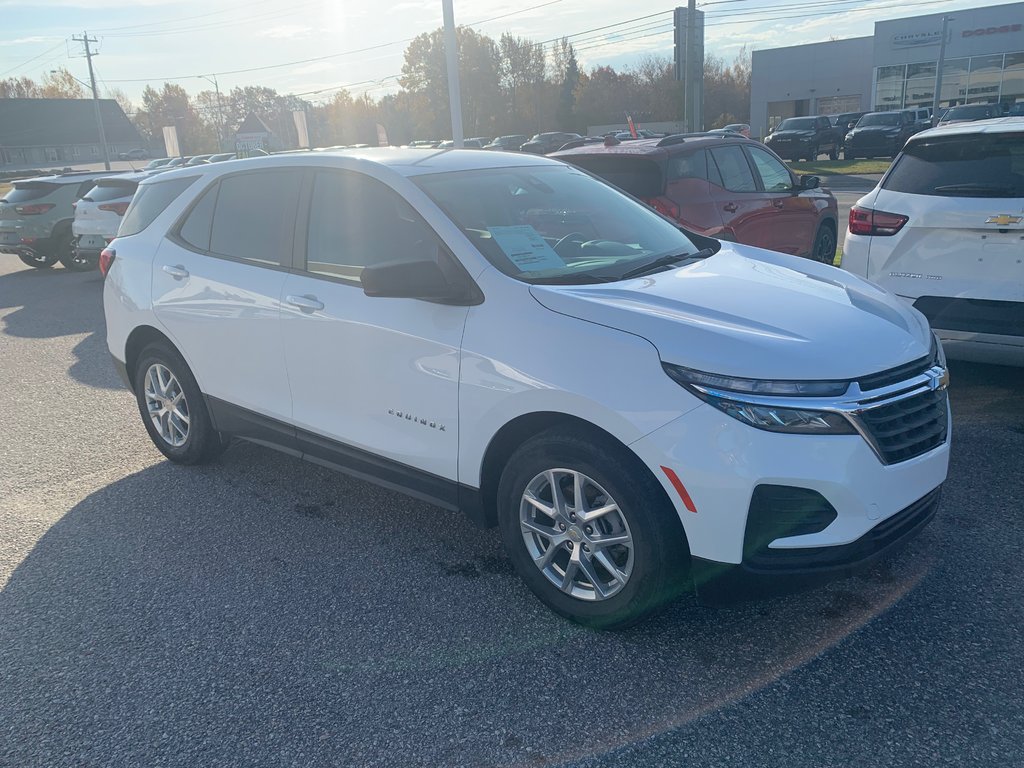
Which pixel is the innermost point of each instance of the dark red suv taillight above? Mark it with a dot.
(34, 209)
(664, 206)
(107, 256)
(867, 221)
(118, 208)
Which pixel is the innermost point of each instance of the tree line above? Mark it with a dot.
(511, 85)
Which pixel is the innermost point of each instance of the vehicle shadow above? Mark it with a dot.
(55, 303)
(260, 609)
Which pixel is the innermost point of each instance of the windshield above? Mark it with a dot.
(886, 118)
(978, 165)
(970, 112)
(797, 124)
(553, 224)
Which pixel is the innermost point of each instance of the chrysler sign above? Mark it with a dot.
(914, 39)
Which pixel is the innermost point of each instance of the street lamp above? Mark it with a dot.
(220, 110)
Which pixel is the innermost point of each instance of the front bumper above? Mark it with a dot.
(793, 570)
(722, 462)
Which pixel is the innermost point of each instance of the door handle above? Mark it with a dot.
(307, 303)
(730, 207)
(177, 271)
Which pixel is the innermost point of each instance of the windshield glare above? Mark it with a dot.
(553, 224)
(797, 124)
(886, 119)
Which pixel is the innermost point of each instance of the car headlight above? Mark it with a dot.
(726, 393)
(849, 136)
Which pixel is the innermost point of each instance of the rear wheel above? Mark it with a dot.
(172, 407)
(76, 261)
(37, 259)
(824, 245)
(590, 531)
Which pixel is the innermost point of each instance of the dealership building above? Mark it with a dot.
(894, 68)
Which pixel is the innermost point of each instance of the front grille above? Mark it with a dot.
(908, 427)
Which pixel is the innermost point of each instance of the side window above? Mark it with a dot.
(150, 201)
(693, 165)
(774, 175)
(356, 222)
(254, 216)
(733, 167)
(195, 231)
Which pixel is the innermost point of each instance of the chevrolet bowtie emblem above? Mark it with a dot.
(1003, 219)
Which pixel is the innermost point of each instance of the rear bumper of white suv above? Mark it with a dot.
(771, 512)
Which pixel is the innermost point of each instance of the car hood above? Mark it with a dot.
(756, 314)
(876, 129)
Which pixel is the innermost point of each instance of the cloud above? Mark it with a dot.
(24, 40)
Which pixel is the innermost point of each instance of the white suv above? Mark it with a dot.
(944, 229)
(98, 216)
(507, 335)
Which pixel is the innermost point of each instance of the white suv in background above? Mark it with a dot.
(507, 335)
(98, 215)
(944, 230)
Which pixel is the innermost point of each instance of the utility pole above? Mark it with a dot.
(938, 69)
(85, 40)
(220, 111)
(451, 53)
(689, 73)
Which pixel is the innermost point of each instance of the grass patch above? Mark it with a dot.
(834, 167)
(838, 260)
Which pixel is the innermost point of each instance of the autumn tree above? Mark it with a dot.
(19, 88)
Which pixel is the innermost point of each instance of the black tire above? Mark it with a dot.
(834, 153)
(37, 259)
(824, 245)
(202, 443)
(847, 155)
(813, 155)
(660, 556)
(75, 261)
(62, 244)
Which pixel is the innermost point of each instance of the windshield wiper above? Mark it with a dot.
(976, 188)
(664, 261)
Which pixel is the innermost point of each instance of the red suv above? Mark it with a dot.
(726, 187)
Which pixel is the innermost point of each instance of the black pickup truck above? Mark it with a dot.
(796, 138)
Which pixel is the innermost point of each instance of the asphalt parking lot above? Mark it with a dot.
(264, 612)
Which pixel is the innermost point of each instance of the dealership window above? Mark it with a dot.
(889, 87)
(986, 74)
(955, 73)
(1013, 78)
(920, 88)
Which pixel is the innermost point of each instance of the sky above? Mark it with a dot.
(312, 47)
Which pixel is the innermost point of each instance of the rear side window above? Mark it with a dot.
(693, 165)
(101, 193)
(734, 169)
(254, 219)
(976, 165)
(195, 231)
(29, 191)
(637, 175)
(149, 202)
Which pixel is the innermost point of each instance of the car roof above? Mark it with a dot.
(75, 177)
(650, 147)
(1012, 124)
(404, 162)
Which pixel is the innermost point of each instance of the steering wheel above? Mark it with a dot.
(567, 237)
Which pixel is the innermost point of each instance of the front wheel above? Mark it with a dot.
(824, 245)
(813, 155)
(834, 154)
(590, 531)
(37, 259)
(172, 407)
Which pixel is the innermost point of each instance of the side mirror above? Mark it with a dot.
(417, 280)
(809, 182)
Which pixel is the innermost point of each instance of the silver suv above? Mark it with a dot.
(37, 214)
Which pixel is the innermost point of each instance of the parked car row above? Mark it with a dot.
(71, 217)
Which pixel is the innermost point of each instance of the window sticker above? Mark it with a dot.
(525, 248)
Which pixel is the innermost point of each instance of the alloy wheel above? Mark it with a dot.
(576, 534)
(166, 405)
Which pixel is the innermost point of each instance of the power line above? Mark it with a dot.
(230, 9)
(39, 56)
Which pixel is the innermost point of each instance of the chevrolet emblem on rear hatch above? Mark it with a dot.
(1003, 219)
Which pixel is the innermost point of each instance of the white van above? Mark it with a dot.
(944, 230)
